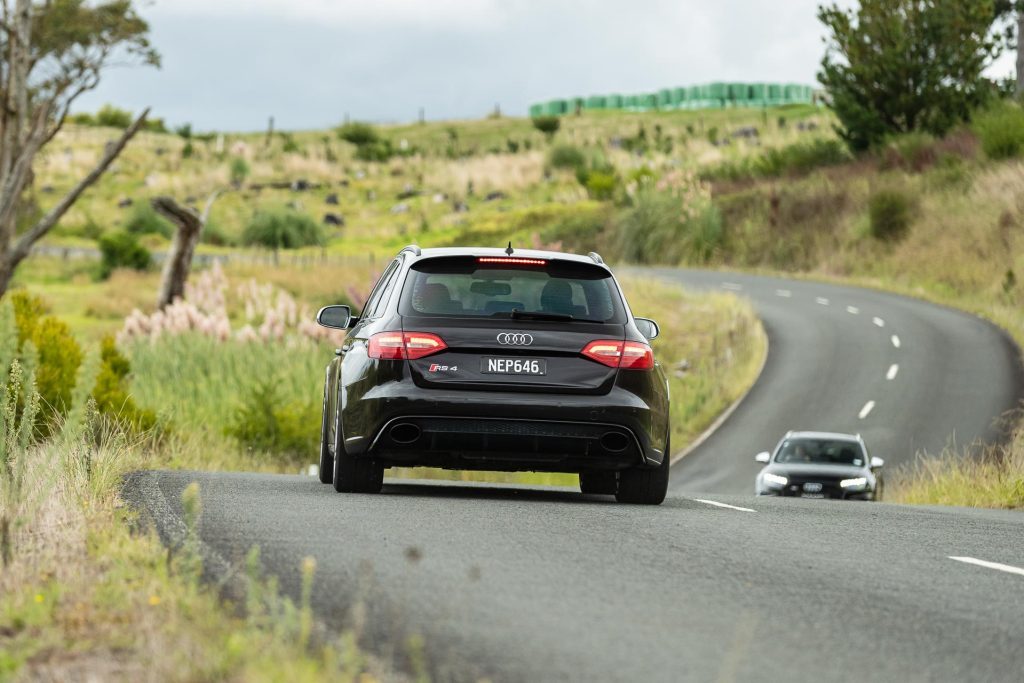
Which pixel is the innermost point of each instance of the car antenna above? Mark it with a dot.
(510, 250)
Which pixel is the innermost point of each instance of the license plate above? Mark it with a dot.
(513, 366)
(812, 495)
(812, 488)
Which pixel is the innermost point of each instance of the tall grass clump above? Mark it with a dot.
(890, 214)
(1001, 130)
(281, 229)
(992, 479)
(670, 221)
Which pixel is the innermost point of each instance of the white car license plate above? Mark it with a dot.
(490, 365)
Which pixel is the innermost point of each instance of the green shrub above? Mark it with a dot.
(58, 354)
(890, 213)
(380, 150)
(566, 157)
(1001, 130)
(282, 230)
(268, 423)
(122, 250)
(111, 116)
(801, 157)
(358, 133)
(239, 171)
(144, 220)
(548, 125)
(111, 390)
(601, 185)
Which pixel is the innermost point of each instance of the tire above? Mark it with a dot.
(326, 459)
(599, 483)
(355, 475)
(645, 486)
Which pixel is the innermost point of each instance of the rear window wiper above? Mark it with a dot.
(516, 314)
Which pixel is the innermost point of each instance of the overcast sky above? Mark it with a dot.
(230, 64)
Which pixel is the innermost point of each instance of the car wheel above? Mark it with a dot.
(326, 459)
(645, 486)
(355, 475)
(599, 483)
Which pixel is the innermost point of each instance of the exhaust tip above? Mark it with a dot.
(614, 441)
(405, 433)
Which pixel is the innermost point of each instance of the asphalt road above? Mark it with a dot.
(714, 585)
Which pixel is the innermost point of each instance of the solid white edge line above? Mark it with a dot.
(1008, 568)
(822, 300)
(732, 286)
(893, 370)
(852, 310)
(866, 410)
(723, 505)
(706, 434)
(878, 321)
(895, 341)
(784, 293)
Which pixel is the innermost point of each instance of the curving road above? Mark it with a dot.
(539, 584)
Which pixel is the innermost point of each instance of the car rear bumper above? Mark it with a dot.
(504, 430)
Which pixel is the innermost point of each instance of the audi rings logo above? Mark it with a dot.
(515, 339)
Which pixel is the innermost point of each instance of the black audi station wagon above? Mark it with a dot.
(491, 359)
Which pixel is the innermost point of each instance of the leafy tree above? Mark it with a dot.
(895, 66)
(51, 53)
(548, 125)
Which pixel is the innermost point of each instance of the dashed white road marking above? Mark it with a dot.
(1008, 568)
(878, 321)
(822, 300)
(895, 341)
(852, 310)
(732, 286)
(866, 410)
(893, 369)
(723, 505)
(784, 293)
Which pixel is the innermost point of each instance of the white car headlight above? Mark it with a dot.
(855, 483)
(774, 479)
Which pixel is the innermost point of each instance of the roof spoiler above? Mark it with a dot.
(596, 258)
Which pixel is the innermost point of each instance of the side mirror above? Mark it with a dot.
(648, 327)
(335, 317)
(876, 462)
(763, 456)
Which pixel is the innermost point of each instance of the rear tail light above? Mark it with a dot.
(404, 345)
(628, 355)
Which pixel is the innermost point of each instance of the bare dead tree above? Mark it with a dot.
(50, 54)
(179, 261)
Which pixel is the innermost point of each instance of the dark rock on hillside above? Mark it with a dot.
(334, 219)
(125, 203)
(495, 196)
(332, 199)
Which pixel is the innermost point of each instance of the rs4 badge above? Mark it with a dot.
(434, 367)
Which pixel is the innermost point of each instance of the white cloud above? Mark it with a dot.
(452, 13)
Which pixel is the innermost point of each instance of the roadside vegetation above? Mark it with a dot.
(992, 479)
(84, 597)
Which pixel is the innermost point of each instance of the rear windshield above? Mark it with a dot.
(462, 286)
(821, 451)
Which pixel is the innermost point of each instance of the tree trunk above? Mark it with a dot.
(179, 260)
(1020, 53)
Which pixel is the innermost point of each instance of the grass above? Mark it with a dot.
(82, 597)
(991, 479)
